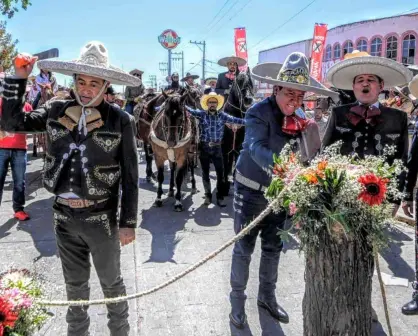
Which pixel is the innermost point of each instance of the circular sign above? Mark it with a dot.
(169, 39)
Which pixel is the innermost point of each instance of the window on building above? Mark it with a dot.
(409, 49)
(328, 53)
(337, 51)
(376, 47)
(392, 48)
(348, 47)
(362, 45)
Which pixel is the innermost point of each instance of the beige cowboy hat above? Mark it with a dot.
(232, 59)
(93, 61)
(293, 74)
(211, 81)
(413, 88)
(341, 75)
(189, 75)
(205, 98)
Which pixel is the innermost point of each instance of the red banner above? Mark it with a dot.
(318, 45)
(241, 45)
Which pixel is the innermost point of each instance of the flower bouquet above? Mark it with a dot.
(20, 315)
(339, 207)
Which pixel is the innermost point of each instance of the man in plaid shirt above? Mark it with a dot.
(212, 122)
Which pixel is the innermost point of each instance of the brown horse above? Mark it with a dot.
(144, 113)
(170, 136)
(39, 139)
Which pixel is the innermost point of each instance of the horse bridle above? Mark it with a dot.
(240, 98)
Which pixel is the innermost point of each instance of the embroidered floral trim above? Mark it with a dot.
(92, 188)
(107, 144)
(379, 146)
(57, 218)
(355, 143)
(342, 129)
(54, 133)
(49, 162)
(51, 181)
(393, 137)
(103, 220)
(132, 221)
(109, 178)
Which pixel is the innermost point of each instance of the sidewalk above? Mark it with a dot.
(169, 242)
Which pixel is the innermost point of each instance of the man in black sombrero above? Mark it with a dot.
(189, 79)
(91, 152)
(270, 125)
(225, 79)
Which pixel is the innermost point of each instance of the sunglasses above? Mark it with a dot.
(136, 75)
(212, 102)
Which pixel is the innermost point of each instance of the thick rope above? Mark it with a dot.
(210, 256)
(382, 289)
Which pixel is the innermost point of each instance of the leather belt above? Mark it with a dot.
(248, 182)
(78, 203)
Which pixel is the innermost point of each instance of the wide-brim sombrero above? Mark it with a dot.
(342, 74)
(232, 59)
(211, 80)
(205, 98)
(110, 74)
(413, 88)
(189, 76)
(269, 72)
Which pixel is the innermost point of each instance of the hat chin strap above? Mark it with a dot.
(82, 123)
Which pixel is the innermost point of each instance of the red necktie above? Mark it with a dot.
(293, 124)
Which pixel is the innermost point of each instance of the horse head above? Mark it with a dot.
(241, 96)
(173, 119)
(191, 96)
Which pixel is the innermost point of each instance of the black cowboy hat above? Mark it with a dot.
(189, 75)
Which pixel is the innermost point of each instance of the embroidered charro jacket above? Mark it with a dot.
(412, 166)
(391, 128)
(263, 138)
(224, 84)
(89, 166)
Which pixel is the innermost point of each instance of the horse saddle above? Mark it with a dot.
(73, 114)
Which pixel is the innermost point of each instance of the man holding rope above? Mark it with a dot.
(270, 125)
(91, 152)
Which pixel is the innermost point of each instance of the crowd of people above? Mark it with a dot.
(92, 155)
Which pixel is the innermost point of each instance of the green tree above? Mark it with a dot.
(10, 7)
(7, 47)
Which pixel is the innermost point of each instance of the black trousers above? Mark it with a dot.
(207, 155)
(81, 233)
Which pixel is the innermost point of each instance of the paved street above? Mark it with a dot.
(167, 243)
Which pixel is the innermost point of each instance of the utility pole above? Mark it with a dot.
(163, 66)
(153, 80)
(204, 56)
(180, 58)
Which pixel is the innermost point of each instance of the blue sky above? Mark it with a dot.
(129, 29)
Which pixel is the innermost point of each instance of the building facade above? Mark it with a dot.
(392, 37)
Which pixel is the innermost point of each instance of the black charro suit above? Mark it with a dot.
(365, 139)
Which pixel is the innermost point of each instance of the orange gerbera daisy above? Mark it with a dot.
(374, 189)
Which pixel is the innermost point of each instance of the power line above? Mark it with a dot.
(194, 66)
(283, 24)
(234, 15)
(221, 18)
(225, 3)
